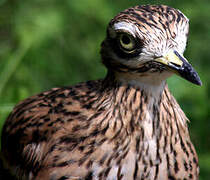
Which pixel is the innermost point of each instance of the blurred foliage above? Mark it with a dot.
(49, 43)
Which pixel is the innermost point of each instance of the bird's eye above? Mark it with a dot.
(127, 42)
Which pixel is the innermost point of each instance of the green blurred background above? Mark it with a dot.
(50, 43)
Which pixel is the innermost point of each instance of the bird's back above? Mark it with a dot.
(53, 117)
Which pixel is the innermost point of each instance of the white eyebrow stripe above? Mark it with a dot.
(126, 26)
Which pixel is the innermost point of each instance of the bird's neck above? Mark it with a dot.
(142, 105)
(135, 117)
(153, 84)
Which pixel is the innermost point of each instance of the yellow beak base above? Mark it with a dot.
(177, 63)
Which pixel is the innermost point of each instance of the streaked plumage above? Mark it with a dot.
(126, 126)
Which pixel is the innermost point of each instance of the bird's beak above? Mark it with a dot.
(177, 63)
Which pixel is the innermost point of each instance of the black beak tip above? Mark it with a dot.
(199, 83)
(188, 73)
(193, 77)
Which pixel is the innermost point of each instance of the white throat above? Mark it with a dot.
(153, 83)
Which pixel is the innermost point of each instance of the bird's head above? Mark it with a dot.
(146, 44)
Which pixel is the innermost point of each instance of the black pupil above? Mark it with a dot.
(126, 39)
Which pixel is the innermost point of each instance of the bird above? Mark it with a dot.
(125, 126)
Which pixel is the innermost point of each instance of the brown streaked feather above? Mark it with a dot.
(114, 131)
